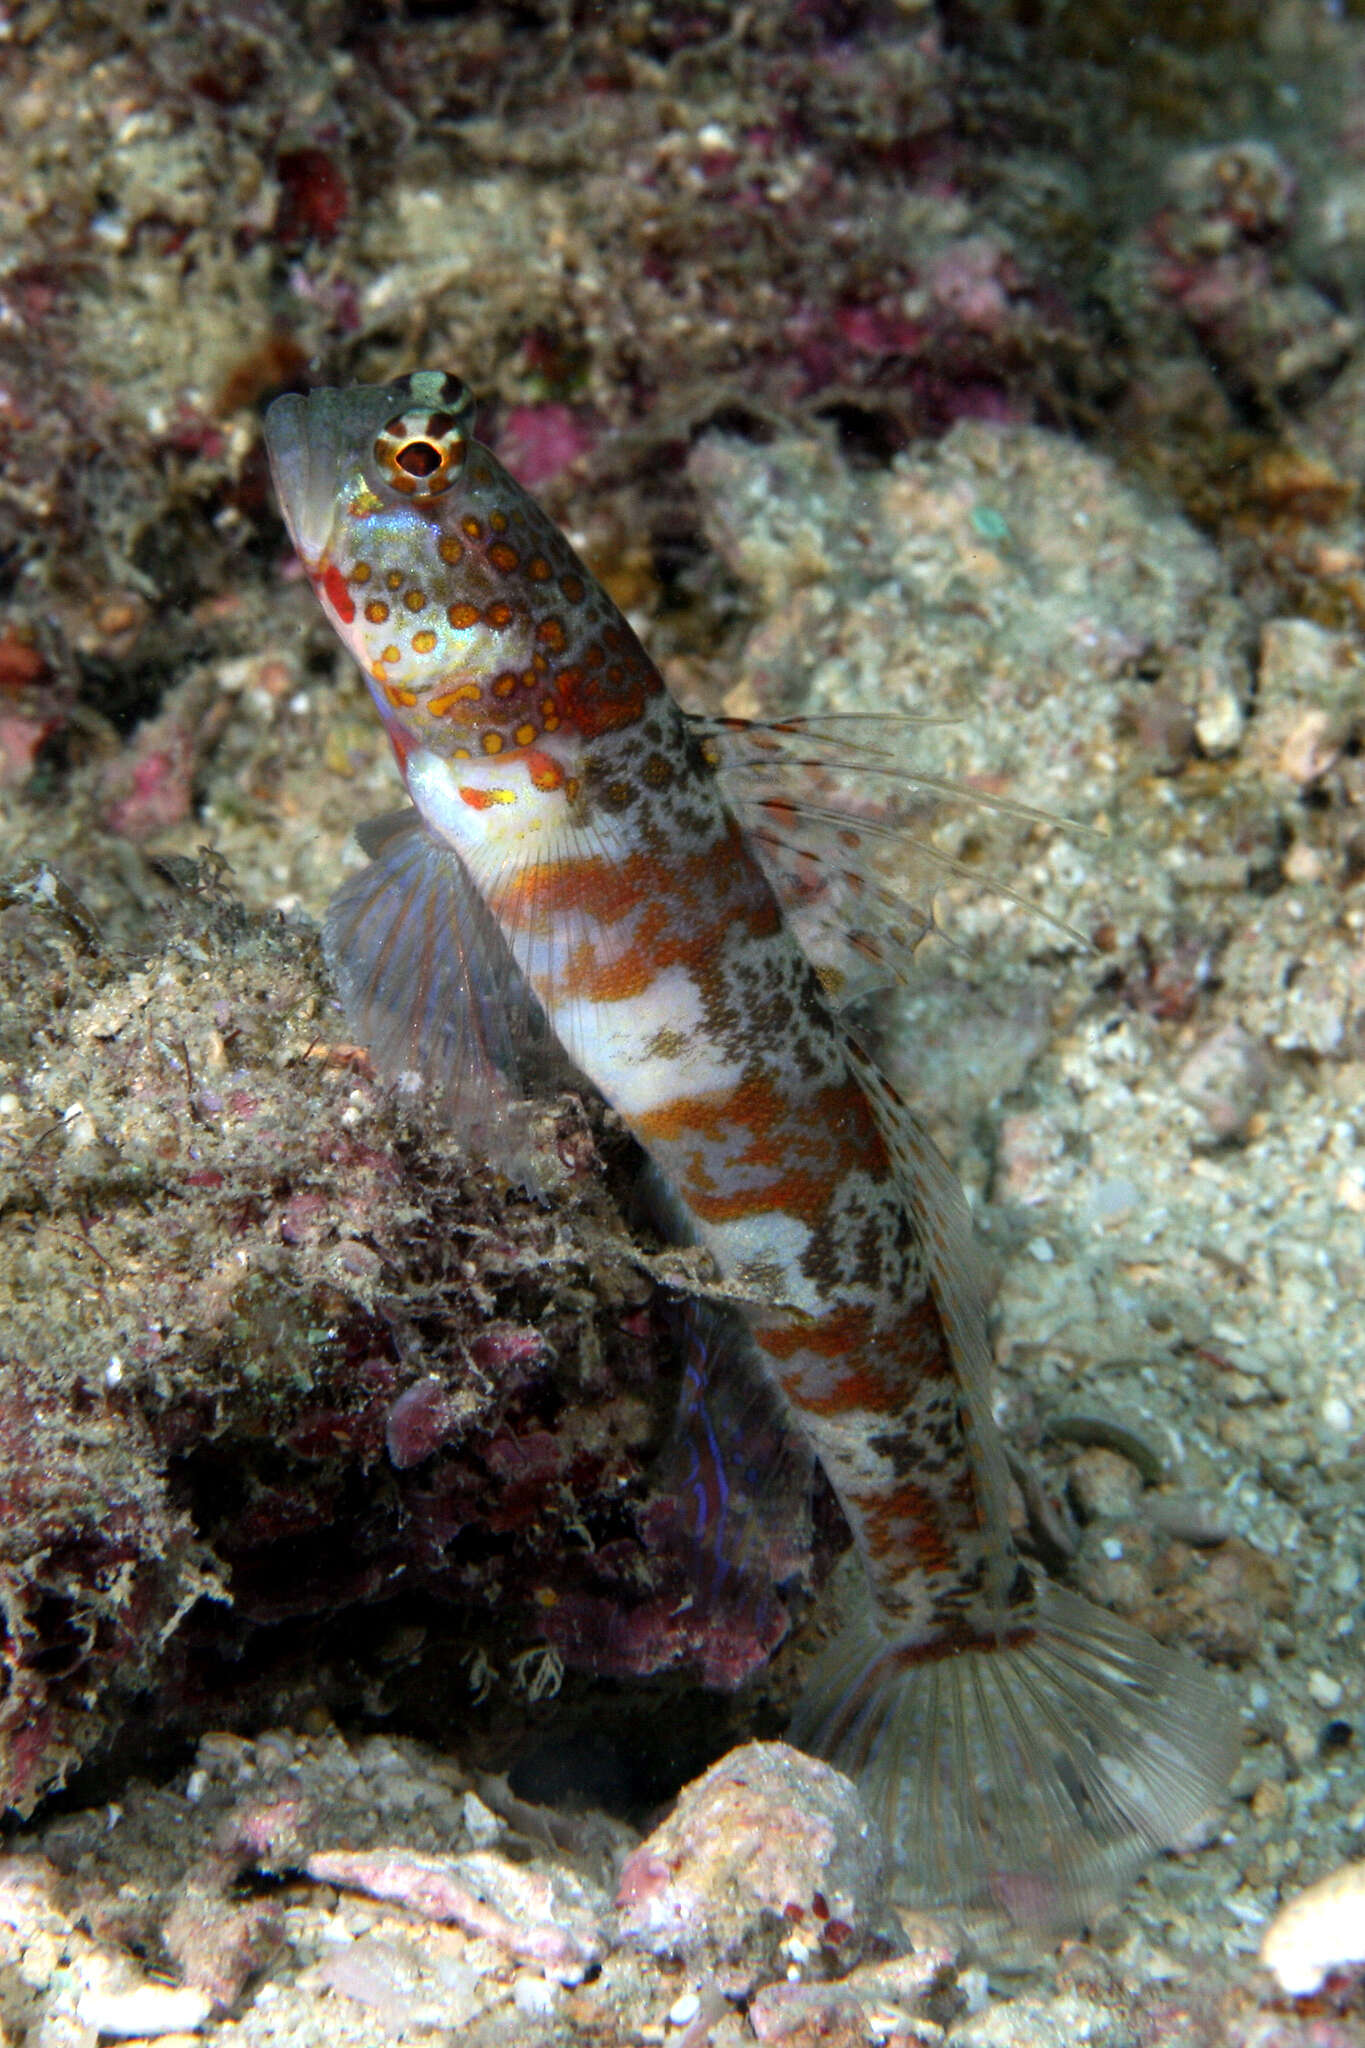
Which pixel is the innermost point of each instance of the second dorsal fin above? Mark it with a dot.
(840, 820)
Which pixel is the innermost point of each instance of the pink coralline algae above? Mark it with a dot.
(149, 786)
(539, 442)
(419, 1422)
(34, 706)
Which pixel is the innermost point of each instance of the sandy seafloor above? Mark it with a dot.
(975, 365)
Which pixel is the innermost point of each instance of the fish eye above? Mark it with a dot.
(420, 453)
(419, 458)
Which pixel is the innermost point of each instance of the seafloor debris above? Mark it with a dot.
(428, 1923)
(274, 1358)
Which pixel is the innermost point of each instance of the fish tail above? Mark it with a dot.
(1028, 1776)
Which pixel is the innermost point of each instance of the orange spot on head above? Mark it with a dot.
(415, 600)
(551, 632)
(391, 654)
(472, 526)
(477, 799)
(499, 614)
(539, 569)
(506, 683)
(423, 642)
(524, 735)
(572, 587)
(336, 594)
(361, 573)
(394, 579)
(466, 693)
(376, 611)
(450, 547)
(544, 770)
(399, 696)
(504, 556)
(463, 616)
(492, 743)
(498, 522)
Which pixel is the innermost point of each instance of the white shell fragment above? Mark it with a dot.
(1320, 1930)
(141, 2010)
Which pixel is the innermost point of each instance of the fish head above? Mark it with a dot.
(478, 630)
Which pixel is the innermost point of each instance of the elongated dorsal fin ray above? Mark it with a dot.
(865, 743)
(859, 888)
(429, 984)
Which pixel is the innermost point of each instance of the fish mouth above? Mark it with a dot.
(316, 442)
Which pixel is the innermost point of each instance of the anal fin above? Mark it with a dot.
(740, 1473)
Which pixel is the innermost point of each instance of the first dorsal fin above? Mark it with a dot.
(429, 984)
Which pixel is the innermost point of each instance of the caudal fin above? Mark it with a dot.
(1032, 1779)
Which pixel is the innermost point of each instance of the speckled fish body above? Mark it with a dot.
(579, 868)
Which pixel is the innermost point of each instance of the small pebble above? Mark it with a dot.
(275, 1748)
(1220, 722)
(1324, 1690)
(480, 1822)
(765, 1830)
(1300, 1741)
(1104, 1486)
(1268, 1801)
